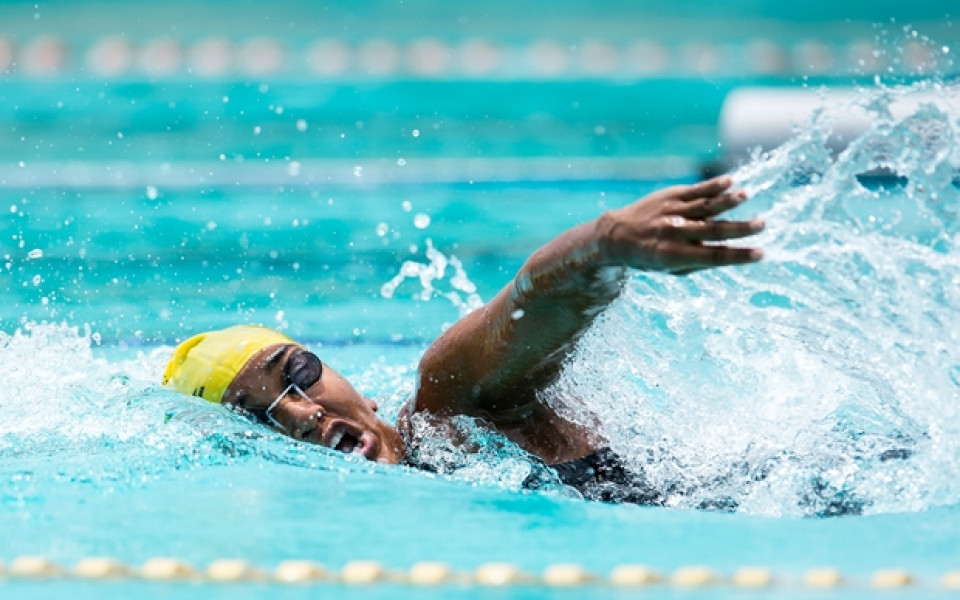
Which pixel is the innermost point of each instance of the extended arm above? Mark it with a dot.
(492, 363)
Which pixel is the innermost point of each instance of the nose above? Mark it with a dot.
(303, 419)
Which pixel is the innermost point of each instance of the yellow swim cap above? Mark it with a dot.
(206, 364)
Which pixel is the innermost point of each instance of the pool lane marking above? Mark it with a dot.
(110, 57)
(427, 573)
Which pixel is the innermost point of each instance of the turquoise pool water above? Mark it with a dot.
(829, 370)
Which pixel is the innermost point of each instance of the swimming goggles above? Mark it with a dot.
(267, 414)
(302, 370)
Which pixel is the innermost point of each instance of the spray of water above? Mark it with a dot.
(71, 417)
(434, 272)
(826, 377)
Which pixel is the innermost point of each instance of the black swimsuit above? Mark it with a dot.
(602, 476)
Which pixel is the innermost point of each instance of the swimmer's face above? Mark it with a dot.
(333, 414)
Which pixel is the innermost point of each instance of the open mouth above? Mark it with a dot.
(343, 438)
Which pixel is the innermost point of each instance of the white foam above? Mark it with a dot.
(762, 383)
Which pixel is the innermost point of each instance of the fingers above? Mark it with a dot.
(717, 231)
(705, 189)
(679, 257)
(705, 208)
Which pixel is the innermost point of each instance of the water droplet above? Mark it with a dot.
(401, 162)
(211, 225)
(301, 125)
(517, 314)
(421, 221)
(382, 229)
(358, 171)
(37, 279)
(13, 208)
(152, 192)
(293, 169)
(226, 99)
(257, 130)
(278, 110)
(955, 374)
(406, 206)
(35, 253)
(415, 133)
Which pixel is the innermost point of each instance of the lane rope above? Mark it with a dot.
(111, 56)
(494, 574)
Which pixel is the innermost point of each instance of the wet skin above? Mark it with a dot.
(336, 415)
(497, 367)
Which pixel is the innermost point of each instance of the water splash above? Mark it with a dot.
(435, 272)
(72, 417)
(825, 375)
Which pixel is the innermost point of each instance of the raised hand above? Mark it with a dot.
(675, 230)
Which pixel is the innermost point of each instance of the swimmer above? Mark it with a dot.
(497, 363)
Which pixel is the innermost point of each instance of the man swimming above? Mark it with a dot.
(497, 363)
